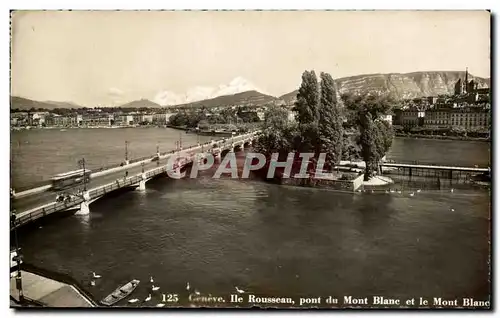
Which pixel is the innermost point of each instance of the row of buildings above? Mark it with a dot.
(469, 108)
(467, 118)
(48, 119)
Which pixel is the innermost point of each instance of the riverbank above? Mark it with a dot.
(86, 127)
(202, 132)
(462, 138)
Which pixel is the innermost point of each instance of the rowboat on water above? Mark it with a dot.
(120, 293)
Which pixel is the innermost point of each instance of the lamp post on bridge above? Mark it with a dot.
(142, 165)
(158, 153)
(18, 257)
(126, 152)
(81, 163)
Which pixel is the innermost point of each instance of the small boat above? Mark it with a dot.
(120, 293)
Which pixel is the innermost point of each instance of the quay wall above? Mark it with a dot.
(60, 277)
(340, 185)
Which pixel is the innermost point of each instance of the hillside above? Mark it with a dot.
(249, 98)
(26, 104)
(400, 86)
(63, 104)
(140, 103)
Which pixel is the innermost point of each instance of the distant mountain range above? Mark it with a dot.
(140, 104)
(246, 98)
(199, 93)
(400, 86)
(241, 92)
(26, 104)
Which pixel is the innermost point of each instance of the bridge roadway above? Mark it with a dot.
(46, 199)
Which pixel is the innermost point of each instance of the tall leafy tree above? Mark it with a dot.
(330, 121)
(307, 102)
(368, 143)
(278, 134)
(307, 113)
(375, 139)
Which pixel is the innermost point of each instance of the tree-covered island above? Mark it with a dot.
(342, 128)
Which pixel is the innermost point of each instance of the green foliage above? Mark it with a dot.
(350, 147)
(307, 102)
(368, 143)
(364, 112)
(330, 122)
(278, 134)
(359, 105)
(193, 118)
(320, 126)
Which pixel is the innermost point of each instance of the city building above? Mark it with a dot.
(93, 120)
(411, 117)
(470, 118)
(161, 118)
(437, 118)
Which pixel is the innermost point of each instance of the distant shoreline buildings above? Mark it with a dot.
(468, 109)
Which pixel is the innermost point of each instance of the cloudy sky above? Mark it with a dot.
(108, 57)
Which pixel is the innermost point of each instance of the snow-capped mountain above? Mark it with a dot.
(236, 86)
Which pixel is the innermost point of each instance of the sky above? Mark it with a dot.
(106, 58)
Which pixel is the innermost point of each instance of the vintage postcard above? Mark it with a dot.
(241, 159)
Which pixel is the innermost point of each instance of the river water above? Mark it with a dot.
(266, 239)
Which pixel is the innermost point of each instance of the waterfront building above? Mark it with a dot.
(412, 117)
(123, 120)
(437, 118)
(470, 118)
(161, 118)
(19, 119)
(63, 121)
(37, 119)
(93, 120)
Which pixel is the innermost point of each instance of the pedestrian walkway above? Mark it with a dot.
(378, 181)
(49, 292)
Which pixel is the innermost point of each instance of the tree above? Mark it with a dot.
(358, 105)
(368, 143)
(278, 134)
(375, 134)
(307, 102)
(307, 113)
(330, 122)
(350, 146)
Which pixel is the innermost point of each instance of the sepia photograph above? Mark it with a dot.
(251, 159)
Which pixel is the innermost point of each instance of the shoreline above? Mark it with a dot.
(440, 137)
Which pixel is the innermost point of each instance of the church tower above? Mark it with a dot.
(465, 83)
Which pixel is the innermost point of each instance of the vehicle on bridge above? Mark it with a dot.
(70, 179)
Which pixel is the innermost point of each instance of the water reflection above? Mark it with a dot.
(84, 222)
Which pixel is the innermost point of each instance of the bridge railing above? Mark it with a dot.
(418, 163)
(42, 211)
(99, 191)
(93, 193)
